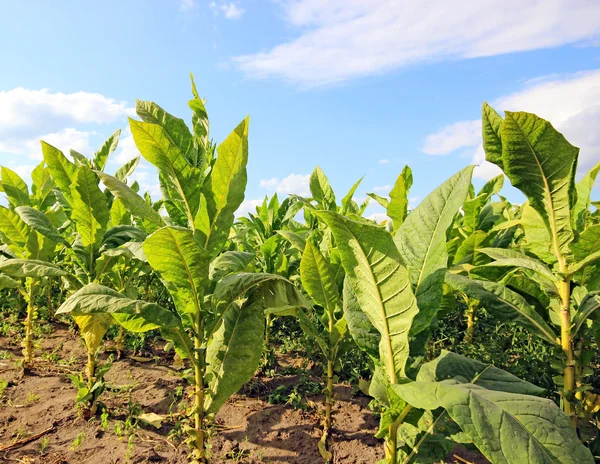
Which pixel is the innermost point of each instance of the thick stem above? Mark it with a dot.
(329, 397)
(28, 342)
(567, 348)
(471, 308)
(200, 443)
(268, 333)
(391, 443)
(91, 378)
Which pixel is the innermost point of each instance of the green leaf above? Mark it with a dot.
(379, 199)
(101, 156)
(587, 245)
(228, 263)
(421, 241)
(537, 237)
(224, 189)
(470, 249)
(182, 262)
(7, 282)
(135, 204)
(15, 188)
(174, 127)
(510, 258)
(90, 212)
(581, 209)
(589, 304)
(505, 427)
(380, 283)
(397, 208)
(234, 352)
(491, 124)
(61, 169)
(200, 123)
(361, 330)
(541, 163)
(347, 200)
(321, 190)
(318, 279)
(39, 222)
(584, 263)
(127, 169)
(504, 304)
(13, 228)
(30, 268)
(155, 144)
(297, 240)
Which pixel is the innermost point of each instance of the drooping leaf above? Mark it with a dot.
(7, 282)
(511, 258)
(30, 268)
(581, 209)
(234, 352)
(224, 189)
(39, 222)
(380, 283)
(587, 245)
(589, 304)
(228, 263)
(136, 205)
(421, 241)
(15, 188)
(503, 303)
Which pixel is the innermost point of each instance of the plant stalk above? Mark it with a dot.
(567, 348)
(28, 342)
(91, 378)
(391, 444)
(471, 308)
(200, 443)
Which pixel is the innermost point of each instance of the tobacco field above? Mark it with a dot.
(139, 329)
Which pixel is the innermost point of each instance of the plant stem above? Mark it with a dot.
(91, 378)
(267, 333)
(28, 342)
(471, 308)
(391, 445)
(567, 347)
(329, 397)
(200, 443)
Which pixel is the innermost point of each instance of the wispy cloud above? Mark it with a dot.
(232, 11)
(339, 40)
(187, 5)
(293, 184)
(570, 102)
(384, 161)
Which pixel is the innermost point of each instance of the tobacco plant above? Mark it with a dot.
(549, 281)
(219, 321)
(397, 282)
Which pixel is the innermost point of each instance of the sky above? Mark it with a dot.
(360, 88)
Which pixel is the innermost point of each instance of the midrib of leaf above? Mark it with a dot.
(221, 198)
(548, 192)
(172, 166)
(227, 345)
(387, 337)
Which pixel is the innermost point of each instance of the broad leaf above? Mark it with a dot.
(366, 337)
(228, 263)
(491, 124)
(15, 188)
(62, 170)
(90, 211)
(39, 222)
(318, 278)
(30, 268)
(101, 156)
(321, 190)
(581, 209)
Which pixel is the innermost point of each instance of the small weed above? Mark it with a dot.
(3, 386)
(44, 445)
(78, 441)
(32, 397)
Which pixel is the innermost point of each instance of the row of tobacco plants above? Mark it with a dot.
(350, 283)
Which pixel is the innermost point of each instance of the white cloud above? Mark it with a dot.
(293, 184)
(232, 11)
(378, 217)
(64, 140)
(452, 137)
(570, 102)
(343, 39)
(384, 161)
(248, 206)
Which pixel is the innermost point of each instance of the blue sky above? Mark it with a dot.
(357, 87)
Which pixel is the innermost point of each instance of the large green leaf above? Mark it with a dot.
(62, 170)
(537, 236)
(181, 261)
(13, 228)
(30, 268)
(511, 258)
(101, 156)
(90, 210)
(380, 283)
(318, 278)
(491, 124)
(421, 241)
(7, 282)
(321, 190)
(366, 337)
(581, 209)
(541, 163)
(135, 204)
(234, 352)
(503, 303)
(497, 411)
(39, 222)
(155, 144)
(587, 245)
(470, 249)
(224, 189)
(228, 263)
(175, 127)
(589, 304)
(15, 188)
(397, 208)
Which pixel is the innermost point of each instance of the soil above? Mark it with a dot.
(40, 407)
